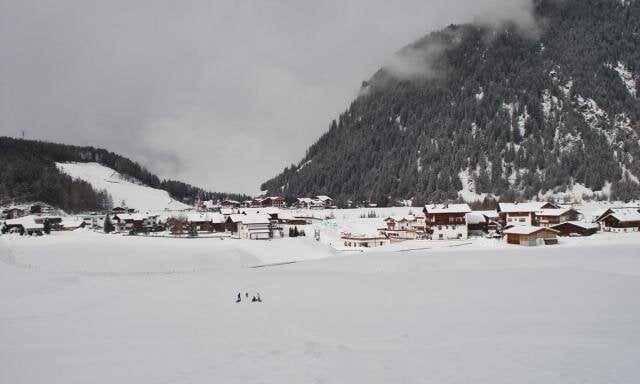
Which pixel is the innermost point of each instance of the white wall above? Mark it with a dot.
(444, 232)
(519, 221)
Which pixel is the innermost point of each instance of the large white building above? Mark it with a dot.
(254, 226)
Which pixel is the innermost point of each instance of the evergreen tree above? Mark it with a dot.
(108, 225)
(47, 226)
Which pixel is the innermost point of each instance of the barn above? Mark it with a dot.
(531, 236)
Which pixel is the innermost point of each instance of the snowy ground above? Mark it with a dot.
(83, 307)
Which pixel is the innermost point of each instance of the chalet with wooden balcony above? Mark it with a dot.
(446, 221)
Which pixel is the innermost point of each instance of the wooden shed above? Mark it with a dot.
(531, 236)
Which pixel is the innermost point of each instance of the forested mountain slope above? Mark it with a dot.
(492, 110)
(28, 172)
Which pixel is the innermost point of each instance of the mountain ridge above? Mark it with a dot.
(512, 112)
(28, 172)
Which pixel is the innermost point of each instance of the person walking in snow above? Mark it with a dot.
(259, 298)
(238, 299)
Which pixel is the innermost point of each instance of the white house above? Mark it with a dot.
(522, 214)
(326, 201)
(254, 227)
(400, 227)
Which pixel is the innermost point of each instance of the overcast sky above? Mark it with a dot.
(221, 94)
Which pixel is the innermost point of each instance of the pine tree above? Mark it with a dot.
(47, 226)
(108, 225)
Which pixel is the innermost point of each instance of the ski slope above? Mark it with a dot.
(138, 196)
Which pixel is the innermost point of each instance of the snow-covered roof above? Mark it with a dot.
(553, 211)
(490, 214)
(447, 208)
(249, 219)
(401, 218)
(200, 217)
(522, 207)
(475, 218)
(268, 210)
(323, 198)
(130, 216)
(526, 230)
(581, 224)
(625, 215)
(27, 222)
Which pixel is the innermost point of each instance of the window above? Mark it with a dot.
(522, 219)
(440, 236)
(453, 227)
(439, 227)
(509, 219)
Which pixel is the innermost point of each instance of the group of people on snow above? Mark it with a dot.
(255, 298)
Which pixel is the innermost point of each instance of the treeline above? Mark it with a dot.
(28, 173)
(29, 176)
(507, 107)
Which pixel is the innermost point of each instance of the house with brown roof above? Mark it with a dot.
(620, 220)
(446, 221)
(522, 214)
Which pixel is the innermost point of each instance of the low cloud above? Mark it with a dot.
(222, 94)
(415, 62)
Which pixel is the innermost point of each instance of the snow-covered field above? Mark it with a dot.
(135, 195)
(84, 307)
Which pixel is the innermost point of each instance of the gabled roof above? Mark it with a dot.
(398, 219)
(130, 216)
(323, 198)
(581, 224)
(447, 208)
(554, 212)
(624, 215)
(525, 207)
(527, 230)
(620, 210)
